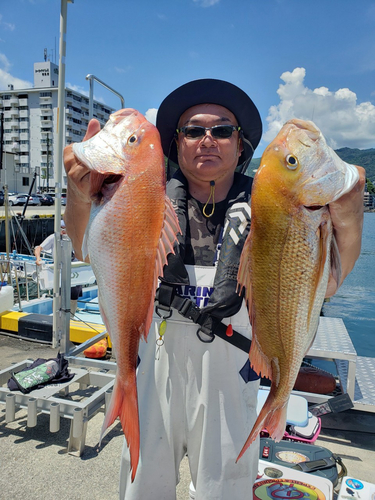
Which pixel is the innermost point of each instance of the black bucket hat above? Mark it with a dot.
(209, 91)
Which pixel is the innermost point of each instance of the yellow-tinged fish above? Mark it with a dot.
(287, 258)
(131, 230)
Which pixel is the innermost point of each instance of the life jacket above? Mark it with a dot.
(224, 301)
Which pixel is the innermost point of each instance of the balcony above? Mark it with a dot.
(14, 124)
(24, 148)
(14, 112)
(45, 99)
(14, 101)
(23, 101)
(46, 112)
(46, 123)
(24, 113)
(24, 136)
(24, 159)
(14, 135)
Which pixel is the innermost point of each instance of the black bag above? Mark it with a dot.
(40, 373)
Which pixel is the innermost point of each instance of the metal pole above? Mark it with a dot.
(91, 101)
(57, 321)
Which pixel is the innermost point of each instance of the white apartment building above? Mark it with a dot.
(30, 128)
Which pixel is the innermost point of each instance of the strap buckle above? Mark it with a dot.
(205, 335)
(190, 311)
(167, 314)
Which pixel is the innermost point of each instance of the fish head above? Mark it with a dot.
(126, 147)
(300, 165)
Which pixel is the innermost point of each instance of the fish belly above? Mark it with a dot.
(122, 243)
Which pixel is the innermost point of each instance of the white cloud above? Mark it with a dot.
(7, 79)
(78, 88)
(150, 115)
(206, 3)
(343, 121)
(8, 26)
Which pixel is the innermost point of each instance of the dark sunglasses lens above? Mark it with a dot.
(194, 132)
(222, 131)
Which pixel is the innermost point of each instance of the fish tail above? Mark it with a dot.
(124, 404)
(271, 418)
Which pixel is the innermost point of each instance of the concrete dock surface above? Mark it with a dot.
(34, 462)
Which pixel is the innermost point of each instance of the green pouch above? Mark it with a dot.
(41, 374)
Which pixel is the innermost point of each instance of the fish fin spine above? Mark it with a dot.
(124, 404)
(258, 360)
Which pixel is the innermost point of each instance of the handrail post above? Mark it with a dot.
(91, 78)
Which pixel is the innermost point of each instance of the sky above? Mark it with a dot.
(302, 59)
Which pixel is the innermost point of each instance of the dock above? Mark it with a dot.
(31, 456)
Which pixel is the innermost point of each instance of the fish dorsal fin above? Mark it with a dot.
(168, 238)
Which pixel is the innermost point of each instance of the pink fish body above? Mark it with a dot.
(131, 230)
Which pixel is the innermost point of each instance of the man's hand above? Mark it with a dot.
(78, 202)
(78, 174)
(347, 219)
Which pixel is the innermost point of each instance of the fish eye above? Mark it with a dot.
(132, 138)
(292, 162)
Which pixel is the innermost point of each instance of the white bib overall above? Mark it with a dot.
(192, 400)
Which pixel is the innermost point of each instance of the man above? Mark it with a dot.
(47, 246)
(197, 393)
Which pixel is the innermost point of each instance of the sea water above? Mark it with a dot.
(355, 300)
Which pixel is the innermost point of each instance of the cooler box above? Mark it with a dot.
(278, 482)
(311, 459)
(356, 489)
(36, 326)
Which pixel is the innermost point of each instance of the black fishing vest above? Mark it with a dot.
(224, 301)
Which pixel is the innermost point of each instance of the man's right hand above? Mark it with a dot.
(78, 174)
(78, 202)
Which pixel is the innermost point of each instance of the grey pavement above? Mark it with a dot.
(34, 462)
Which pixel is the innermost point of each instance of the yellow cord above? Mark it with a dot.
(212, 195)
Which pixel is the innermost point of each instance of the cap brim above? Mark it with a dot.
(208, 91)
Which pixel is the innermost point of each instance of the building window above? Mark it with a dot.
(25, 181)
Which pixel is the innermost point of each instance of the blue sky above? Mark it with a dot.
(295, 58)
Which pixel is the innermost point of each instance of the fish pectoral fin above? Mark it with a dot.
(325, 240)
(243, 278)
(335, 261)
(85, 250)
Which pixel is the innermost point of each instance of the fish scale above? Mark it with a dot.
(285, 263)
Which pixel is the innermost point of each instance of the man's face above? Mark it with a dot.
(208, 158)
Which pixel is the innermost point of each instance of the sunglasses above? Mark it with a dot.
(217, 131)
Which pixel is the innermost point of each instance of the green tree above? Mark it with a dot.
(370, 186)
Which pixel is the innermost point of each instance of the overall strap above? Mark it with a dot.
(167, 299)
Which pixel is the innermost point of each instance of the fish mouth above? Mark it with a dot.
(313, 208)
(103, 185)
